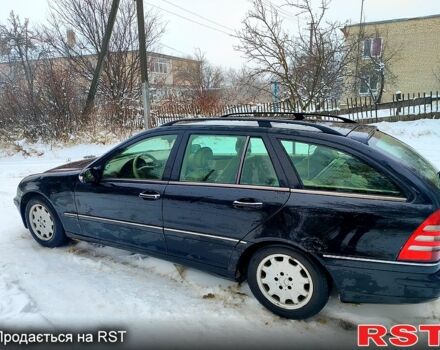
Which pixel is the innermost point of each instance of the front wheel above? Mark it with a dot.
(287, 282)
(44, 224)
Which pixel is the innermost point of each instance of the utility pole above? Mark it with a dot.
(144, 64)
(101, 56)
(360, 36)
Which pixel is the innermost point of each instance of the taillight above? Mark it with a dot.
(424, 243)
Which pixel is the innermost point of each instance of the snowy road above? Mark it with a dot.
(85, 286)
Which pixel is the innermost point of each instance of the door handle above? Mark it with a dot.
(149, 195)
(243, 204)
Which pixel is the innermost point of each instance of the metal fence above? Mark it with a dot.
(408, 106)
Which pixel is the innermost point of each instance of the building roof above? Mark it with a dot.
(396, 20)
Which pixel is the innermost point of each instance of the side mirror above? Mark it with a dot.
(89, 175)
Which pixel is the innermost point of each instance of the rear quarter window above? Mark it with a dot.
(328, 169)
(405, 154)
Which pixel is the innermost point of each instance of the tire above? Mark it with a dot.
(44, 224)
(287, 282)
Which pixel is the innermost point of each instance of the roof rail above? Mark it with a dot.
(297, 115)
(262, 122)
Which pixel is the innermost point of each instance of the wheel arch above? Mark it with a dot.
(25, 200)
(245, 256)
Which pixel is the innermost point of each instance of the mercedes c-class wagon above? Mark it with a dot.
(296, 204)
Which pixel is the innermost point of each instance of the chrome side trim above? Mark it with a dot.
(349, 195)
(250, 187)
(380, 261)
(97, 218)
(202, 234)
(116, 179)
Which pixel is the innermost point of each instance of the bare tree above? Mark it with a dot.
(211, 76)
(374, 59)
(76, 32)
(243, 87)
(205, 82)
(308, 65)
(21, 51)
(202, 76)
(21, 54)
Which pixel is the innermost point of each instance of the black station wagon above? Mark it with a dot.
(295, 203)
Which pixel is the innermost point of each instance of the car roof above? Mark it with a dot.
(358, 132)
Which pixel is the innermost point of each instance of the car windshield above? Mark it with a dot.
(405, 154)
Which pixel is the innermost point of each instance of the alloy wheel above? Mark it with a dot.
(284, 281)
(41, 222)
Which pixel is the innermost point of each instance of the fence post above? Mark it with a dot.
(375, 109)
(424, 103)
(430, 108)
(394, 109)
(436, 102)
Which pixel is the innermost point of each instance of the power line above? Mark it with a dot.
(282, 11)
(172, 48)
(190, 20)
(197, 15)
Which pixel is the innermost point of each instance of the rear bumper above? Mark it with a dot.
(384, 283)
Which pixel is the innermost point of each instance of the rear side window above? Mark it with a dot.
(405, 154)
(258, 169)
(327, 169)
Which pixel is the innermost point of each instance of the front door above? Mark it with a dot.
(126, 205)
(225, 187)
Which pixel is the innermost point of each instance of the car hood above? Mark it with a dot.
(72, 166)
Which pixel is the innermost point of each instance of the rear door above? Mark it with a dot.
(347, 205)
(224, 186)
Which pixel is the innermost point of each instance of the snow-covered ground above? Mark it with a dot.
(85, 286)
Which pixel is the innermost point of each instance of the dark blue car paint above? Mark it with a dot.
(119, 200)
(326, 227)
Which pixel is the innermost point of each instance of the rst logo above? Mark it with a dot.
(401, 335)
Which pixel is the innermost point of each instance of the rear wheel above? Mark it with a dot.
(287, 282)
(44, 224)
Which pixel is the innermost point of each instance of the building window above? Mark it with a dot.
(160, 65)
(372, 47)
(369, 84)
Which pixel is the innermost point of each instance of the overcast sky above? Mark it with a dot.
(183, 37)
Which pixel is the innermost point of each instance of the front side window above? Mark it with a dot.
(258, 169)
(212, 158)
(327, 169)
(144, 160)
